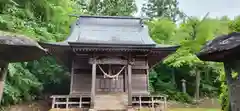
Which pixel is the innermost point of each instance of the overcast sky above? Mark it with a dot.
(217, 8)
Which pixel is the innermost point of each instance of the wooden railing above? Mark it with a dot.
(150, 101)
(71, 101)
(83, 101)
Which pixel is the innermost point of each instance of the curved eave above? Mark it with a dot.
(159, 53)
(222, 48)
(64, 45)
(155, 53)
(60, 50)
(166, 48)
(19, 49)
(122, 47)
(220, 56)
(114, 17)
(81, 44)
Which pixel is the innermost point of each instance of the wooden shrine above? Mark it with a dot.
(107, 56)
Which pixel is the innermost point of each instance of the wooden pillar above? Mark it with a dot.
(148, 82)
(129, 84)
(229, 79)
(72, 74)
(53, 102)
(3, 74)
(147, 74)
(124, 80)
(93, 89)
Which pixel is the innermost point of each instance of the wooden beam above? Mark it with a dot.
(93, 89)
(112, 54)
(129, 82)
(140, 67)
(109, 61)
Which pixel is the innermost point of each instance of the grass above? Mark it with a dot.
(174, 109)
(186, 109)
(193, 109)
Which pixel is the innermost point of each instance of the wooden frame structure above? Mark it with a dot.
(109, 55)
(83, 101)
(225, 48)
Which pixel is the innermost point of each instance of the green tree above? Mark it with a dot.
(166, 77)
(118, 7)
(163, 8)
(162, 30)
(111, 7)
(44, 20)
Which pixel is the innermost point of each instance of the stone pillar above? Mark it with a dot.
(184, 86)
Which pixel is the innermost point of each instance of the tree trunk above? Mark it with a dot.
(198, 78)
(3, 73)
(173, 78)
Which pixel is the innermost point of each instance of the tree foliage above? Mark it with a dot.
(44, 20)
(110, 7)
(163, 8)
(184, 64)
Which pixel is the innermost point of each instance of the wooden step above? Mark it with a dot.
(110, 102)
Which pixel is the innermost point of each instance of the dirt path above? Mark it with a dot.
(205, 103)
(33, 106)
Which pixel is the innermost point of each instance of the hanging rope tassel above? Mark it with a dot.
(111, 76)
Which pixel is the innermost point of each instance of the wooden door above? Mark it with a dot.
(109, 85)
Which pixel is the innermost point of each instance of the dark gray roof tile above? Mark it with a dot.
(110, 30)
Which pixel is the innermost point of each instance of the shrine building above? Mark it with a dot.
(109, 59)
